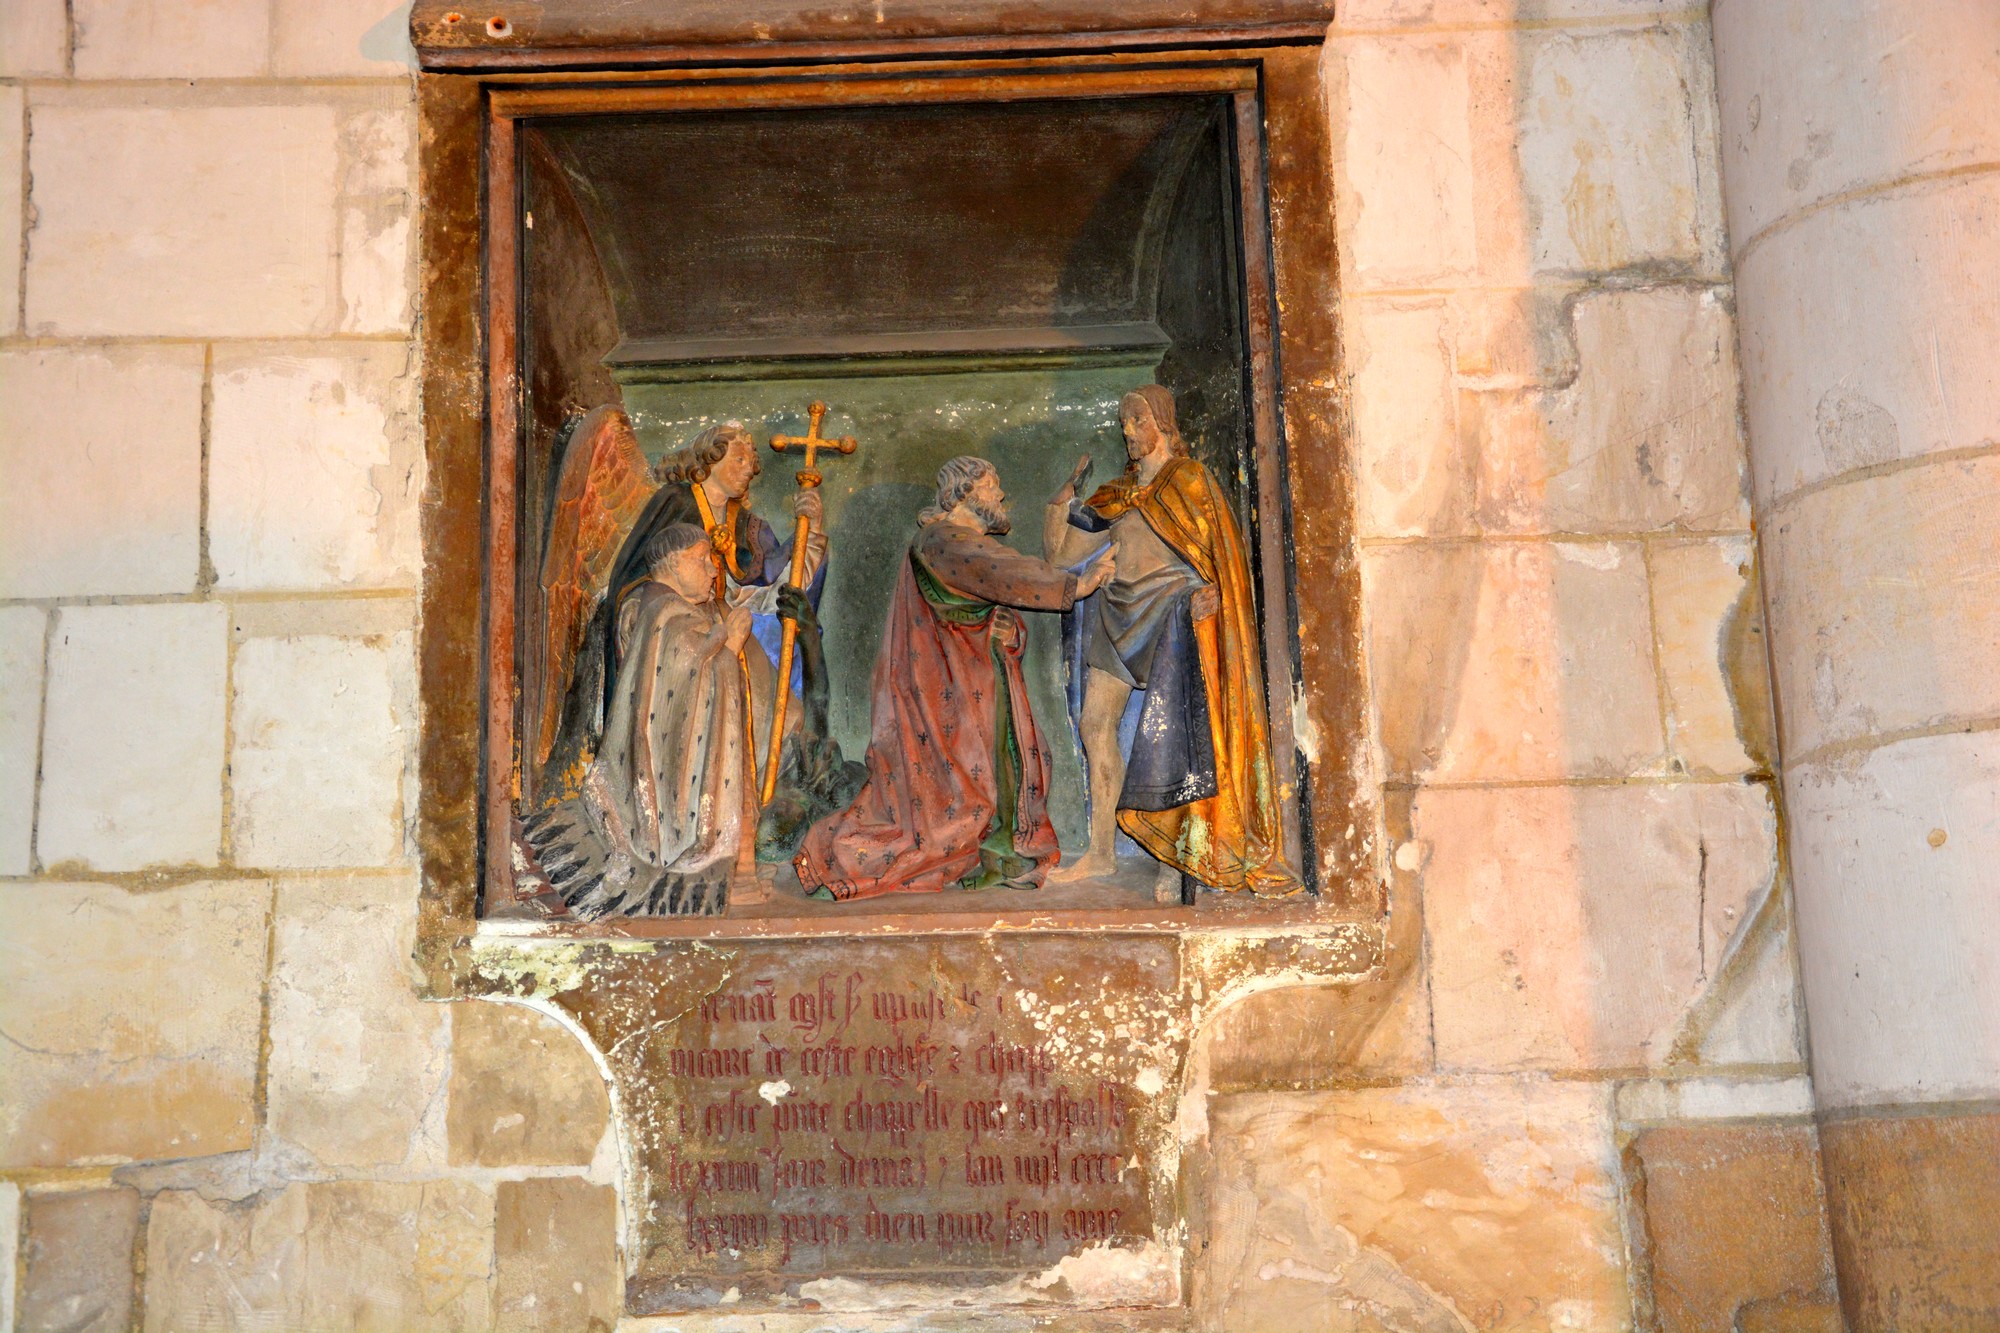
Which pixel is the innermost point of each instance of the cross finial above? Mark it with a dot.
(811, 442)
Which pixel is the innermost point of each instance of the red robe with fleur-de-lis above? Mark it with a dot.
(958, 774)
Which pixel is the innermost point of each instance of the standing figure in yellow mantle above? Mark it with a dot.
(1196, 786)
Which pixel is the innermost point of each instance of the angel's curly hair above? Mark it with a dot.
(690, 463)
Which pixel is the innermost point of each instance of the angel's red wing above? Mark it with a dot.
(603, 486)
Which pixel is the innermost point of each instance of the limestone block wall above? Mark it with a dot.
(1576, 1097)
(1861, 150)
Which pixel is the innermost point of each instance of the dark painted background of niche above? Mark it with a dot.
(697, 266)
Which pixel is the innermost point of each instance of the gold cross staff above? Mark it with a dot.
(811, 443)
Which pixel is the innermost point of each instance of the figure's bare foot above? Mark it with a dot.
(1093, 865)
(1167, 886)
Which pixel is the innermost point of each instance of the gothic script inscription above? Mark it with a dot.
(955, 1110)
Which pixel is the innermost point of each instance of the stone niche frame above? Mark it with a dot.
(1159, 974)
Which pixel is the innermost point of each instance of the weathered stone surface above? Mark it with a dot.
(1512, 660)
(77, 1253)
(10, 1244)
(1490, 1206)
(1893, 855)
(314, 471)
(316, 37)
(357, 1060)
(1644, 438)
(370, 1256)
(168, 39)
(1670, 1101)
(1734, 1216)
(1414, 480)
(1713, 660)
(13, 181)
(1883, 607)
(524, 1092)
(1367, 14)
(241, 197)
(1407, 194)
(134, 1019)
(1892, 363)
(132, 736)
(103, 460)
(1317, 1036)
(1828, 100)
(376, 280)
(34, 38)
(23, 630)
(1616, 150)
(1572, 927)
(555, 1256)
(1912, 1199)
(320, 732)
(1755, 1018)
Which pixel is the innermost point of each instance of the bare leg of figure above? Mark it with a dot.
(1104, 698)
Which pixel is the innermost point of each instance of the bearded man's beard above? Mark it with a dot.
(992, 517)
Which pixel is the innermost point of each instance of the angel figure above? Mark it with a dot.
(620, 650)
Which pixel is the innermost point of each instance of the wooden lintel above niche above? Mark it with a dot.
(569, 34)
(927, 352)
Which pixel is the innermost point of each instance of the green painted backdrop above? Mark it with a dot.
(1031, 423)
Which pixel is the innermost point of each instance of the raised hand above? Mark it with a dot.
(793, 604)
(807, 505)
(1205, 602)
(1076, 480)
(736, 628)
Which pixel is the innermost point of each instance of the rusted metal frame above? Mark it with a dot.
(1268, 455)
(809, 90)
(503, 407)
(563, 59)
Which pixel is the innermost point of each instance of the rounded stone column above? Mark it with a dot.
(1861, 171)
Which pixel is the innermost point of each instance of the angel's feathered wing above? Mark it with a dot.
(602, 486)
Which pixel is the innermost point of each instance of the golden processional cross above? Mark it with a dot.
(810, 444)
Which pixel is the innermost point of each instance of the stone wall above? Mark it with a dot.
(1576, 1097)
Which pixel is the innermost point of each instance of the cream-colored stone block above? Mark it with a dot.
(1669, 1101)
(320, 728)
(1491, 1205)
(183, 220)
(1524, 660)
(351, 37)
(1406, 191)
(1513, 338)
(412, 1257)
(375, 279)
(102, 455)
(23, 645)
(1413, 481)
(1713, 661)
(1885, 603)
(134, 1019)
(1573, 927)
(314, 470)
(378, 149)
(77, 1256)
(1893, 856)
(132, 737)
(34, 38)
(1644, 438)
(555, 1259)
(1757, 1021)
(524, 1091)
(1366, 15)
(1616, 150)
(1866, 335)
(356, 1058)
(171, 39)
(1819, 100)
(10, 1245)
(13, 182)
